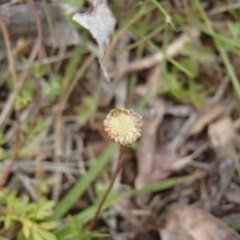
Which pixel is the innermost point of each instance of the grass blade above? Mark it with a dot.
(227, 63)
(86, 215)
(82, 184)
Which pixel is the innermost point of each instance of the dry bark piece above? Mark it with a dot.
(206, 116)
(185, 222)
(100, 21)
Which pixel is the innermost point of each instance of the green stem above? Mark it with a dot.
(118, 168)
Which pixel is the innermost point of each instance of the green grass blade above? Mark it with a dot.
(157, 49)
(233, 42)
(235, 225)
(180, 67)
(86, 215)
(227, 64)
(82, 184)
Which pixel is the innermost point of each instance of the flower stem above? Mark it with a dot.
(118, 168)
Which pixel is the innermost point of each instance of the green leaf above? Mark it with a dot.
(36, 235)
(2, 139)
(173, 87)
(48, 225)
(191, 65)
(52, 89)
(85, 111)
(235, 225)
(7, 222)
(188, 50)
(43, 209)
(221, 38)
(20, 236)
(35, 132)
(74, 3)
(46, 235)
(205, 55)
(230, 70)
(4, 154)
(26, 229)
(179, 66)
(82, 184)
(235, 29)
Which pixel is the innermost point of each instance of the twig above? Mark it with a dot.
(118, 168)
(182, 135)
(16, 95)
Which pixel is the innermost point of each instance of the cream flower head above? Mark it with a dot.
(123, 126)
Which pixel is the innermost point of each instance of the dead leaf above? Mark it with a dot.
(206, 116)
(154, 162)
(185, 222)
(100, 21)
(222, 136)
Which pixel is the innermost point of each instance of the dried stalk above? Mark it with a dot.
(16, 95)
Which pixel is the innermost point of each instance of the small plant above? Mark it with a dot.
(18, 212)
(123, 126)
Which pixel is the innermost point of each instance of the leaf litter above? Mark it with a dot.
(178, 140)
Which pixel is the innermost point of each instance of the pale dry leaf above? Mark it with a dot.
(222, 135)
(185, 222)
(206, 116)
(100, 21)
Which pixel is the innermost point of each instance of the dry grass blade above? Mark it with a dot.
(150, 61)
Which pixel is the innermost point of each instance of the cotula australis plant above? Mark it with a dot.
(123, 127)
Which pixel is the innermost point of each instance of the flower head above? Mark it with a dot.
(123, 126)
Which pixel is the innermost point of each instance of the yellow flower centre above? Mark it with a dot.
(123, 126)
